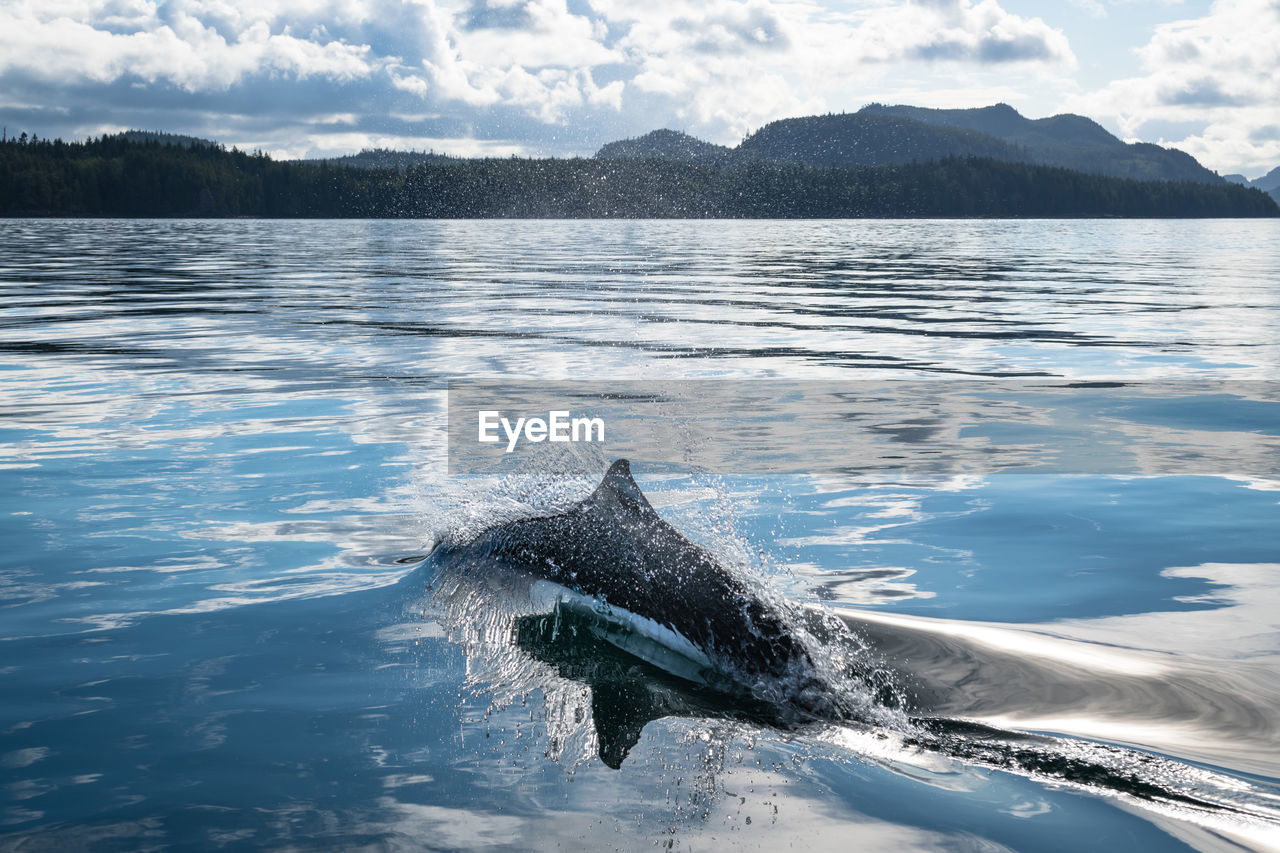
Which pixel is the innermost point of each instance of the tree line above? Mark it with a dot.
(117, 176)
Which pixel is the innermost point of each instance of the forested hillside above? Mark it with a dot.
(879, 135)
(113, 176)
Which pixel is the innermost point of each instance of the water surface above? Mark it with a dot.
(222, 458)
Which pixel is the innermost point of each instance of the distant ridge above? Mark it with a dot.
(882, 135)
(1068, 140)
(384, 158)
(1004, 122)
(666, 144)
(165, 138)
(866, 139)
(1268, 182)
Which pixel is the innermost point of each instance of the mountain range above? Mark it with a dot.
(880, 135)
(876, 135)
(794, 169)
(1268, 183)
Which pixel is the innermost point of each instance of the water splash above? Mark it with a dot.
(593, 698)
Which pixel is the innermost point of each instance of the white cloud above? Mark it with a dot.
(107, 41)
(731, 66)
(1092, 7)
(1221, 71)
(550, 37)
(715, 67)
(959, 30)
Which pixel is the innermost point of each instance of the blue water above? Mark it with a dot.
(222, 460)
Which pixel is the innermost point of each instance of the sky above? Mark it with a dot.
(315, 78)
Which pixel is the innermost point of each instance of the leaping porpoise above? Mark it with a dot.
(612, 582)
(652, 593)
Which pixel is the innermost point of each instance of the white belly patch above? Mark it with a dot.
(636, 635)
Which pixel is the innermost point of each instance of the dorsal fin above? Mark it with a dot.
(618, 487)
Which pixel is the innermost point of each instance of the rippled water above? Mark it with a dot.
(222, 458)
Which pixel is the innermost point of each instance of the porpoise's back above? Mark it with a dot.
(614, 546)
